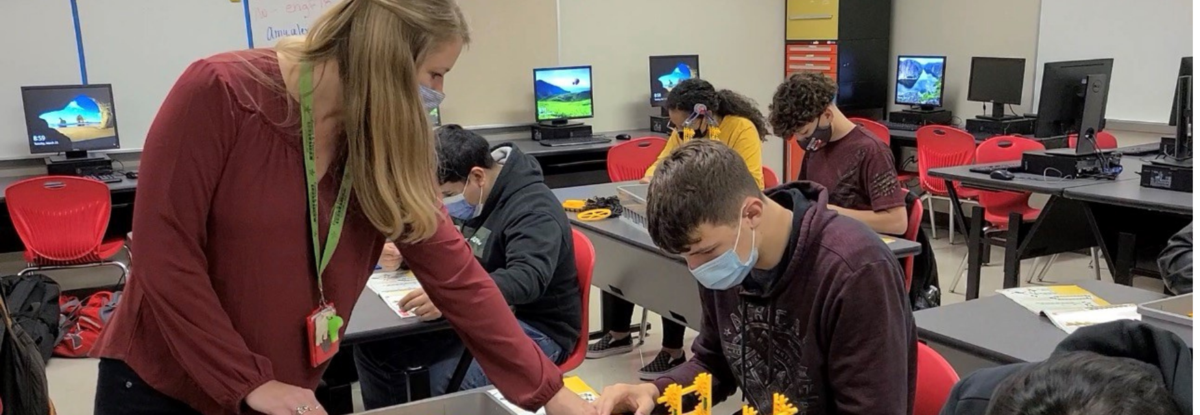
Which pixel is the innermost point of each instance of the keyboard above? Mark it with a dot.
(575, 141)
(988, 169)
(901, 127)
(106, 178)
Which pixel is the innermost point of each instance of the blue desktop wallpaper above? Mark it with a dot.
(919, 80)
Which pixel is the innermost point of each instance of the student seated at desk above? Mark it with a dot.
(1175, 262)
(1119, 368)
(519, 233)
(728, 118)
(853, 164)
(795, 298)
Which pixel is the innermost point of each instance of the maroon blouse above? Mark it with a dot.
(223, 277)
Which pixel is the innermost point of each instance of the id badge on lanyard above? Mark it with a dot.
(324, 324)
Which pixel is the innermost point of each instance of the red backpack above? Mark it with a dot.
(81, 322)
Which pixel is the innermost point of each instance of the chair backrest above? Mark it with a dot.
(941, 146)
(770, 179)
(585, 261)
(915, 214)
(1104, 140)
(881, 131)
(60, 218)
(630, 160)
(1000, 149)
(935, 379)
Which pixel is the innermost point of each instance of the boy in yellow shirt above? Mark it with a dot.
(698, 111)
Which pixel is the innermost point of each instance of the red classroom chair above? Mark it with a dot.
(997, 205)
(62, 221)
(914, 226)
(630, 160)
(942, 146)
(879, 130)
(585, 261)
(935, 379)
(1104, 140)
(770, 179)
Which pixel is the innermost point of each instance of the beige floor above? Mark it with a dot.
(72, 382)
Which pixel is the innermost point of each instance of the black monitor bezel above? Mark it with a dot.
(896, 81)
(591, 78)
(650, 65)
(971, 80)
(29, 129)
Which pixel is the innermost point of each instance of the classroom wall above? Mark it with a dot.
(740, 48)
(960, 30)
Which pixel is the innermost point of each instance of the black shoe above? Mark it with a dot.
(661, 364)
(607, 346)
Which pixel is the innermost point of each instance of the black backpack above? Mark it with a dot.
(32, 301)
(23, 387)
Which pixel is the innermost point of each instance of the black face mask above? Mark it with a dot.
(819, 137)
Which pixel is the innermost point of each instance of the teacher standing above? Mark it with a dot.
(270, 180)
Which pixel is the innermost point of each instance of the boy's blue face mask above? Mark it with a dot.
(727, 270)
(459, 208)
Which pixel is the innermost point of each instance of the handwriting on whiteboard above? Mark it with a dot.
(274, 19)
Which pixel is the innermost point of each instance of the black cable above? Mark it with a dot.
(1014, 112)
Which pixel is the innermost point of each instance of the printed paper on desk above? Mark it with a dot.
(1057, 298)
(392, 287)
(1071, 320)
(573, 383)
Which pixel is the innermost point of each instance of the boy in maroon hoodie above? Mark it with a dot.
(796, 299)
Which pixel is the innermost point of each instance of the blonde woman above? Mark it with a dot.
(230, 312)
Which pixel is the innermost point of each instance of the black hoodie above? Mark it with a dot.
(522, 238)
(829, 328)
(1126, 338)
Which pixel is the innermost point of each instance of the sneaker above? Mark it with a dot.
(607, 346)
(661, 364)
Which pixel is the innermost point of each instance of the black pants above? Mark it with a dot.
(120, 391)
(617, 312)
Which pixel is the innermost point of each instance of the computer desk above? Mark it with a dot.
(996, 331)
(568, 166)
(630, 266)
(1067, 223)
(902, 139)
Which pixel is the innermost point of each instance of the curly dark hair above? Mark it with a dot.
(799, 101)
(690, 92)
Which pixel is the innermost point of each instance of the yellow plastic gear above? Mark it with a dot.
(574, 205)
(594, 215)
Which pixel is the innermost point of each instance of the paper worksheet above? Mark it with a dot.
(1057, 298)
(573, 383)
(1071, 320)
(392, 287)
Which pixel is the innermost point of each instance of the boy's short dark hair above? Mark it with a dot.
(800, 100)
(460, 150)
(1085, 383)
(702, 181)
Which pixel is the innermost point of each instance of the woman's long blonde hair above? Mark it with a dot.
(378, 45)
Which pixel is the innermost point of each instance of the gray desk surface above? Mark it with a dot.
(1130, 193)
(1029, 182)
(998, 328)
(373, 320)
(638, 236)
(533, 148)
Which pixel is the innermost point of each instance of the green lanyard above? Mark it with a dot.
(338, 215)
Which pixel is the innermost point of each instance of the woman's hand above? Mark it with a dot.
(418, 303)
(566, 402)
(278, 398)
(622, 398)
(390, 259)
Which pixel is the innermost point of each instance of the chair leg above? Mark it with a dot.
(1033, 270)
(1096, 261)
(124, 271)
(928, 201)
(958, 274)
(1046, 268)
(642, 330)
(951, 203)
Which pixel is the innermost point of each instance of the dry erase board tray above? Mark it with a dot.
(1170, 313)
(470, 402)
(633, 200)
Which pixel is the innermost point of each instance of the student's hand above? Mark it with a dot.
(278, 398)
(566, 402)
(418, 303)
(622, 398)
(390, 259)
(645, 180)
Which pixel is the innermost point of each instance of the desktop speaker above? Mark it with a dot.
(556, 132)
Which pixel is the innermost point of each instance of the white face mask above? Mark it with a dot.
(431, 98)
(727, 270)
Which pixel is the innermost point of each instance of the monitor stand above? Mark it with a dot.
(998, 114)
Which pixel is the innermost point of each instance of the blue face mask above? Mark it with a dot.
(461, 209)
(727, 271)
(431, 98)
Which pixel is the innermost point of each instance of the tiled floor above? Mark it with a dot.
(72, 382)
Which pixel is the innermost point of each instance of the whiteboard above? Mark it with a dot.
(271, 20)
(52, 59)
(1146, 39)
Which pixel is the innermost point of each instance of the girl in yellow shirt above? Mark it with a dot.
(698, 110)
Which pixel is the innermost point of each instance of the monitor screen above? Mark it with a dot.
(999, 80)
(435, 117)
(70, 118)
(668, 71)
(563, 93)
(919, 80)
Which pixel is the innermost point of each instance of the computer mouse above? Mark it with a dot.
(623, 136)
(131, 175)
(1003, 175)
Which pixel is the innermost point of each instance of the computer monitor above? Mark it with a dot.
(70, 118)
(668, 71)
(1185, 69)
(562, 94)
(435, 116)
(919, 80)
(1060, 104)
(998, 81)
